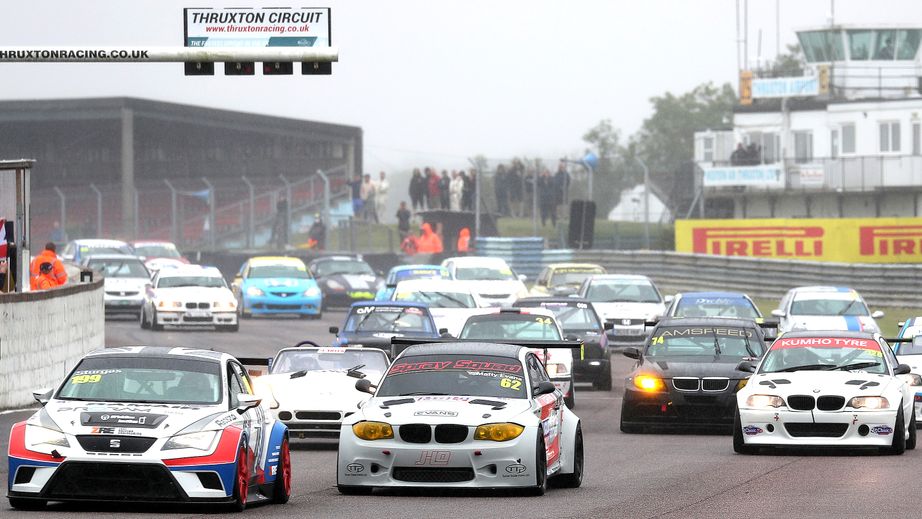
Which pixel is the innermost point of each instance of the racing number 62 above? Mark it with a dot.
(511, 384)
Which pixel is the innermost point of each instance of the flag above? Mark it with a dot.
(204, 195)
(3, 241)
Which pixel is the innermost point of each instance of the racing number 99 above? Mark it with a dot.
(510, 384)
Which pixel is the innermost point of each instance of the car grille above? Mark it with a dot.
(123, 444)
(801, 402)
(715, 384)
(318, 415)
(318, 427)
(450, 433)
(197, 319)
(121, 294)
(701, 399)
(112, 481)
(830, 403)
(626, 322)
(415, 433)
(816, 430)
(284, 294)
(494, 296)
(283, 307)
(203, 306)
(685, 383)
(442, 475)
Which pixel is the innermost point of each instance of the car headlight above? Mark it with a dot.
(557, 369)
(37, 435)
(373, 430)
(169, 304)
(312, 292)
(224, 304)
(763, 401)
(742, 383)
(869, 402)
(498, 432)
(201, 441)
(649, 383)
(255, 292)
(335, 285)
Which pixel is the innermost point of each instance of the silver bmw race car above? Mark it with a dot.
(150, 425)
(462, 414)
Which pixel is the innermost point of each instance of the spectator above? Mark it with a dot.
(280, 225)
(367, 194)
(428, 241)
(417, 190)
(467, 195)
(547, 198)
(444, 186)
(561, 185)
(738, 157)
(45, 280)
(403, 221)
(457, 190)
(356, 185)
(317, 234)
(381, 191)
(433, 189)
(48, 255)
(464, 240)
(499, 189)
(515, 188)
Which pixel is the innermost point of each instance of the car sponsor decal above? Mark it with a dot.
(826, 342)
(515, 470)
(882, 430)
(437, 413)
(752, 430)
(462, 364)
(361, 294)
(142, 420)
(226, 420)
(355, 469)
(85, 379)
(434, 458)
(511, 383)
(704, 330)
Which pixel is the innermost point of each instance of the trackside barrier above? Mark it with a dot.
(43, 335)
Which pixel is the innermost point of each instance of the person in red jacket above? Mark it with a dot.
(57, 268)
(428, 241)
(464, 240)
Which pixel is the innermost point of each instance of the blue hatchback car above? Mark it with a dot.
(274, 285)
(405, 272)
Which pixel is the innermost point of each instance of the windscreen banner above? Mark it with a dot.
(845, 240)
(257, 27)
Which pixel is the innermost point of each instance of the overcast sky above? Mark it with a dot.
(432, 82)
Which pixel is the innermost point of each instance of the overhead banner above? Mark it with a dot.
(767, 176)
(785, 87)
(846, 240)
(257, 27)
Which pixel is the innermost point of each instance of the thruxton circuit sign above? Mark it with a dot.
(847, 240)
(260, 27)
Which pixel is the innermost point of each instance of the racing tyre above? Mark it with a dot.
(739, 445)
(898, 446)
(571, 400)
(603, 383)
(144, 324)
(241, 482)
(281, 491)
(154, 325)
(911, 442)
(540, 467)
(27, 504)
(575, 478)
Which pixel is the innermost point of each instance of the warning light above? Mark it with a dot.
(240, 68)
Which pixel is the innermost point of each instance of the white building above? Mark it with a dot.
(851, 148)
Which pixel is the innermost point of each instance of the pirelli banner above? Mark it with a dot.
(845, 240)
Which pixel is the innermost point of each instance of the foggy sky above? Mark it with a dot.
(433, 82)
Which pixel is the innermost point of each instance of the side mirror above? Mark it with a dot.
(631, 353)
(746, 366)
(571, 337)
(42, 395)
(443, 331)
(544, 388)
(668, 299)
(245, 402)
(901, 324)
(777, 312)
(877, 314)
(334, 330)
(608, 325)
(365, 386)
(902, 369)
(523, 278)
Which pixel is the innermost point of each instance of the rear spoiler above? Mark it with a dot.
(540, 345)
(259, 362)
(889, 341)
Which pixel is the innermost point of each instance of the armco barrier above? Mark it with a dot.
(43, 334)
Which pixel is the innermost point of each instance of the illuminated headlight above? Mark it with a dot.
(335, 285)
(869, 402)
(648, 383)
(373, 430)
(312, 292)
(201, 441)
(557, 369)
(498, 432)
(169, 304)
(255, 292)
(37, 435)
(742, 383)
(763, 401)
(224, 304)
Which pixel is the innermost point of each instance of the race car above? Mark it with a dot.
(345, 280)
(826, 388)
(461, 414)
(909, 352)
(910, 328)
(490, 278)
(529, 324)
(77, 251)
(150, 424)
(563, 279)
(451, 302)
(687, 374)
(408, 272)
(627, 302)
(276, 285)
(311, 389)
(125, 280)
(372, 324)
(825, 308)
(577, 317)
(189, 296)
(713, 304)
(158, 255)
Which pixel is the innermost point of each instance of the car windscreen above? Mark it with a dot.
(829, 307)
(531, 327)
(279, 271)
(144, 380)
(484, 274)
(331, 359)
(577, 317)
(420, 273)
(622, 291)
(157, 251)
(332, 268)
(457, 375)
(96, 250)
(716, 307)
(190, 281)
(388, 319)
(437, 299)
(122, 268)
(823, 354)
(705, 341)
(572, 276)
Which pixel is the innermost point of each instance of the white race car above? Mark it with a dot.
(311, 389)
(124, 280)
(191, 296)
(627, 302)
(461, 414)
(490, 278)
(150, 424)
(910, 353)
(450, 302)
(825, 308)
(843, 389)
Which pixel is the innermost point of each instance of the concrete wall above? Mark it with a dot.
(42, 336)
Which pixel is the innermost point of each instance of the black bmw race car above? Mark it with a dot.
(687, 376)
(344, 280)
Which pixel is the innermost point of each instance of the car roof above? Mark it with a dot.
(723, 322)
(337, 258)
(112, 257)
(275, 260)
(477, 260)
(495, 314)
(612, 277)
(715, 295)
(824, 289)
(536, 301)
(435, 284)
(99, 242)
(844, 334)
(142, 243)
(420, 266)
(190, 270)
(463, 348)
(161, 352)
(360, 304)
(555, 266)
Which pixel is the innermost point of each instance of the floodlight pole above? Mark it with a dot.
(98, 209)
(326, 196)
(251, 220)
(477, 198)
(174, 234)
(63, 217)
(211, 219)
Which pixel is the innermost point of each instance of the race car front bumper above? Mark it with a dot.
(622, 336)
(275, 305)
(201, 318)
(674, 408)
(115, 304)
(838, 428)
(304, 424)
(469, 464)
